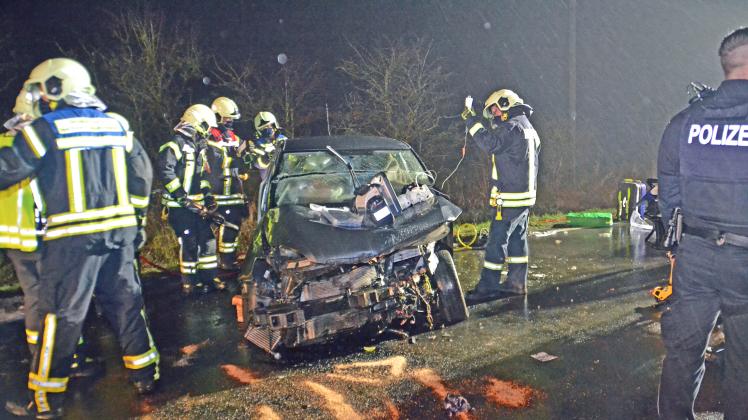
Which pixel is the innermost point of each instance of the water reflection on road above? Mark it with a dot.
(587, 290)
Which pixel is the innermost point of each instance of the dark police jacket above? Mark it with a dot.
(702, 164)
(515, 148)
(89, 170)
(181, 167)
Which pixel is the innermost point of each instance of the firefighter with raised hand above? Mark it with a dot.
(702, 169)
(188, 199)
(79, 157)
(514, 146)
(268, 137)
(226, 180)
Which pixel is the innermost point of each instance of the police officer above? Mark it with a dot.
(188, 199)
(80, 158)
(268, 136)
(225, 179)
(514, 147)
(703, 169)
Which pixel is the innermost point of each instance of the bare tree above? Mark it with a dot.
(398, 90)
(288, 93)
(145, 70)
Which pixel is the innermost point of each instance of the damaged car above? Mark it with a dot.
(351, 237)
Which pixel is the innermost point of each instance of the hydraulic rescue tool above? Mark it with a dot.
(206, 213)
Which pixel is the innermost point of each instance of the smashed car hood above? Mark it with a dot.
(293, 226)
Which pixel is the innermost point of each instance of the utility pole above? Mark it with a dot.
(573, 84)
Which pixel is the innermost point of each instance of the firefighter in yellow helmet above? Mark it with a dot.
(226, 180)
(79, 157)
(268, 137)
(188, 198)
(505, 132)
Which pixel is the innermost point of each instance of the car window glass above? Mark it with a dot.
(318, 177)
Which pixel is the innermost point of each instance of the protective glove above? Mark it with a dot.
(468, 111)
(210, 203)
(192, 206)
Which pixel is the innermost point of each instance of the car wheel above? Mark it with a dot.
(452, 307)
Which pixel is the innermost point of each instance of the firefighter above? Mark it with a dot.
(80, 158)
(225, 179)
(268, 137)
(702, 168)
(514, 147)
(188, 199)
(21, 223)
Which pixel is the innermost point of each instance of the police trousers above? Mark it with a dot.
(198, 262)
(70, 275)
(228, 239)
(507, 245)
(708, 280)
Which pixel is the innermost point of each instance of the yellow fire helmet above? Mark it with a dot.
(201, 118)
(56, 78)
(504, 99)
(226, 108)
(265, 119)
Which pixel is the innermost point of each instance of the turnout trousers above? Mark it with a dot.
(507, 245)
(228, 239)
(27, 269)
(197, 248)
(70, 275)
(708, 280)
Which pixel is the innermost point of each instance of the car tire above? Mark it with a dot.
(452, 307)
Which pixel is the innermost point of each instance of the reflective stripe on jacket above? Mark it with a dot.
(514, 146)
(181, 167)
(80, 157)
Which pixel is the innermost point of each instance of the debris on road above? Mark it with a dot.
(543, 357)
(370, 349)
(455, 404)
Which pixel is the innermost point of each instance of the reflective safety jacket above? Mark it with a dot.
(223, 174)
(85, 168)
(702, 166)
(514, 147)
(20, 221)
(181, 167)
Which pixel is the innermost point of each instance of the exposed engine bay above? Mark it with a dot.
(318, 271)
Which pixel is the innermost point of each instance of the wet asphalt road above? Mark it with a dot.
(588, 305)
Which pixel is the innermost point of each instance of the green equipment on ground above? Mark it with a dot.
(590, 219)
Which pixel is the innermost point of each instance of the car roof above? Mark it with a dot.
(349, 142)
